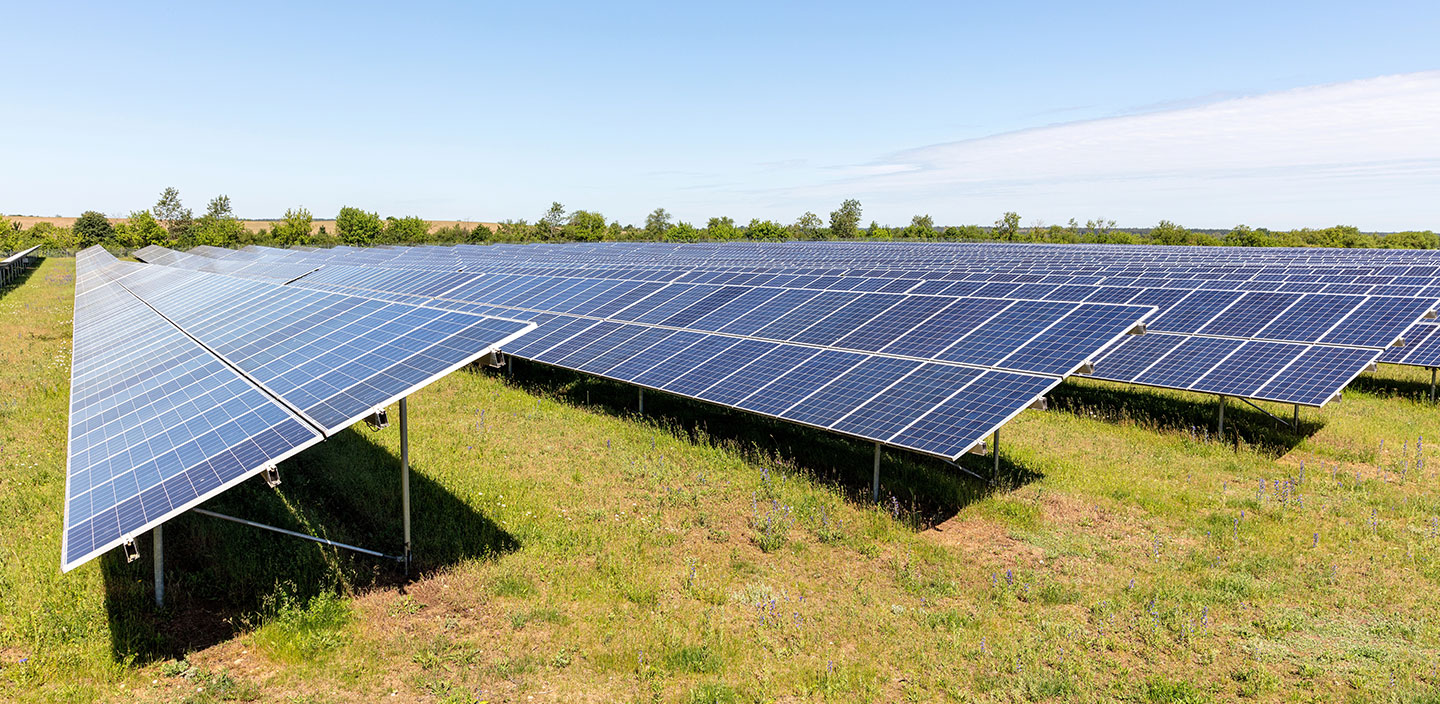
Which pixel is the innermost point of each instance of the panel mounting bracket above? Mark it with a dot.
(979, 448)
(132, 553)
(494, 359)
(1429, 315)
(272, 476)
(1399, 342)
(1040, 404)
(1139, 329)
(379, 420)
(1087, 368)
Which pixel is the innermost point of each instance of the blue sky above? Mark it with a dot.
(1208, 114)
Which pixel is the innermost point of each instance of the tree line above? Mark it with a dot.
(170, 223)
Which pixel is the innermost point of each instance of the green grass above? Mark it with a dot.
(569, 549)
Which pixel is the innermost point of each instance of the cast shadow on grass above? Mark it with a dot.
(927, 491)
(1187, 413)
(1396, 382)
(222, 577)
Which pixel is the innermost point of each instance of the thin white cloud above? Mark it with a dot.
(1364, 152)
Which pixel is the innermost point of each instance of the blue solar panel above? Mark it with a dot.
(850, 390)
(758, 373)
(1000, 336)
(1378, 322)
(894, 408)
(1071, 340)
(845, 320)
(784, 391)
(1249, 368)
(971, 413)
(1325, 370)
(944, 328)
(708, 372)
(1251, 313)
(157, 423)
(1191, 313)
(1135, 354)
(1310, 318)
(704, 349)
(1188, 362)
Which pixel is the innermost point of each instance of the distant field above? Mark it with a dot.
(251, 225)
(570, 550)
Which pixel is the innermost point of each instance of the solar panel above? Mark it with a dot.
(185, 383)
(157, 423)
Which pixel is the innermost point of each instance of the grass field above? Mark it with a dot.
(570, 550)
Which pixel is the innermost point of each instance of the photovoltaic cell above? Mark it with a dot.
(850, 390)
(966, 417)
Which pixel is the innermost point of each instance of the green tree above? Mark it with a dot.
(173, 215)
(218, 227)
(1169, 233)
(721, 229)
(294, 229)
(92, 228)
(407, 230)
(845, 221)
(139, 230)
(807, 226)
(766, 231)
(356, 227)
(656, 223)
(553, 221)
(1099, 231)
(585, 226)
(683, 232)
(1007, 226)
(922, 227)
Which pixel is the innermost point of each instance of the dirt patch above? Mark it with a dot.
(984, 540)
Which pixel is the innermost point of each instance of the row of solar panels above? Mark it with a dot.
(916, 361)
(967, 330)
(1295, 373)
(185, 383)
(12, 265)
(1237, 311)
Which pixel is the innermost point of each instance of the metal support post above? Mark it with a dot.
(875, 485)
(1220, 419)
(1295, 421)
(157, 547)
(995, 440)
(642, 401)
(405, 479)
(1432, 384)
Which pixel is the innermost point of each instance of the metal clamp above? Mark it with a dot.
(379, 420)
(132, 553)
(272, 476)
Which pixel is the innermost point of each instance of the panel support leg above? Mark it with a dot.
(875, 484)
(1295, 421)
(995, 469)
(1220, 419)
(1432, 384)
(157, 548)
(405, 480)
(642, 401)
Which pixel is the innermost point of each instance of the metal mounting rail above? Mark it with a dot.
(1272, 415)
(295, 534)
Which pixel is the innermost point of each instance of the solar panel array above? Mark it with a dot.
(1314, 319)
(12, 265)
(184, 383)
(935, 374)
